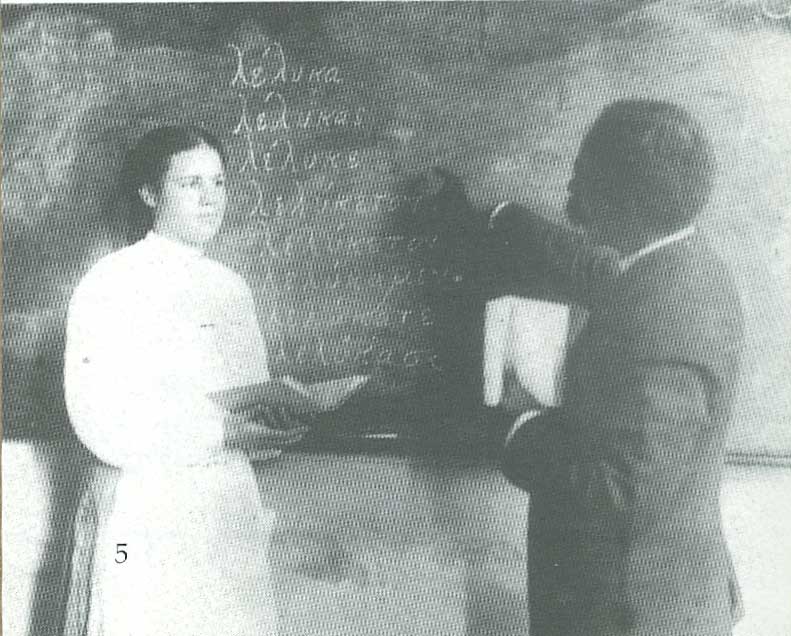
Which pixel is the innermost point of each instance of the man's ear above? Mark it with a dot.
(147, 195)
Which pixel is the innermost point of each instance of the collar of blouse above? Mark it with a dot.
(171, 247)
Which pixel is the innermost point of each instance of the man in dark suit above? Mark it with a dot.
(625, 534)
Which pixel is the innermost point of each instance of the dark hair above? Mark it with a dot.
(148, 161)
(651, 161)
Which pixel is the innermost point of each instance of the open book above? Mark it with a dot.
(525, 340)
(289, 393)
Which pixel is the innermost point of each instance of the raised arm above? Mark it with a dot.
(528, 254)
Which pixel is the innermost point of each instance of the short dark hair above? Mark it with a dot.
(652, 160)
(148, 161)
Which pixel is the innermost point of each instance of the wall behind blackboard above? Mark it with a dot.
(333, 115)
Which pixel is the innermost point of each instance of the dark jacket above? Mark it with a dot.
(625, 535)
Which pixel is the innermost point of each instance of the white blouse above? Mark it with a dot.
(152, 328)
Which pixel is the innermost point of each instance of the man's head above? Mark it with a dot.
(644, 170)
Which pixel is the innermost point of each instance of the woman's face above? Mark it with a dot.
(189, 205)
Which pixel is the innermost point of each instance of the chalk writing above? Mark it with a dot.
(348, 291)
(337, 278)
(287, 316)
(266, 64)
(286, 243)
(327, 353)
(273, 113)
(281, 156)
(298, 204)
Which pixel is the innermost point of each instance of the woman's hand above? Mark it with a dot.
(270, 428)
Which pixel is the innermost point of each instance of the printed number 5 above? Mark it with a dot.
(120, 553)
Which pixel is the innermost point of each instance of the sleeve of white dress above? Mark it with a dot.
(254, 360)
(123, 407)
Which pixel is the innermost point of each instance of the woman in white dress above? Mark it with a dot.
(181, 542)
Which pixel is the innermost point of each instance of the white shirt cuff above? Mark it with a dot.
(497, 211)
(524, 417)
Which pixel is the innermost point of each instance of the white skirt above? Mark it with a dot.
(184, 552)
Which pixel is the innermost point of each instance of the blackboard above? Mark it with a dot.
(333, 116)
